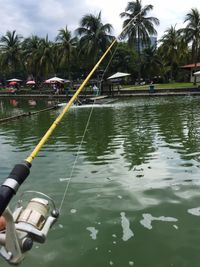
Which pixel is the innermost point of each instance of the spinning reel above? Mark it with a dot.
(26, 225)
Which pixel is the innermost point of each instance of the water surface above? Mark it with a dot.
(133, 199)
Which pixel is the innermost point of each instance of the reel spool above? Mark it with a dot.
(26, 225)
(35, 213)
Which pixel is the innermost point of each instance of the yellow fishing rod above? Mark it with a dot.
(68, 105)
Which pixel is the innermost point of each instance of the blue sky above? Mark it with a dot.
(42, 17)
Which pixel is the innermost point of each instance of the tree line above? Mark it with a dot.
(72, 55)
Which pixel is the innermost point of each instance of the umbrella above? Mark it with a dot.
(30, 82)
(12, 83)
(14, 80)
(55, 79)
(118, 75)
(197, 73)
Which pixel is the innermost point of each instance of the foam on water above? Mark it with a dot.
(194, 211)
(148, 219)
(93, 232)
(127, 232)
(73, 210)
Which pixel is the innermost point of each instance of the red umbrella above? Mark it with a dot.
(12, 83)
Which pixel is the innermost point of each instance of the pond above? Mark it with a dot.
(132, 186)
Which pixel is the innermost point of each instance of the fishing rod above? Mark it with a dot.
(31, 223)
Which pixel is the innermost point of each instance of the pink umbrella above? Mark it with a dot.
(30, 82)
(47, 81)
(12, 83)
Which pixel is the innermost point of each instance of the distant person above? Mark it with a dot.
(95, 90)
(66, 90)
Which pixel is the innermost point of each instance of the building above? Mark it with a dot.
(192, 68)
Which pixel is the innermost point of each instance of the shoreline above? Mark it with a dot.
(115, 93)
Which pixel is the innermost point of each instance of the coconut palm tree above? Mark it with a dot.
(192, 32)
(140, 28)
(151, 63)
(173, 49)
(10, 45)
(45, 57)
(66, 46)
(94, 36)
(30, 47)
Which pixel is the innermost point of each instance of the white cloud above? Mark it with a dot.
(48, 16)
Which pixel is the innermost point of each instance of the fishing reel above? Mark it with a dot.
(25, 226)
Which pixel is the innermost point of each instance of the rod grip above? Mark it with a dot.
(10, 186)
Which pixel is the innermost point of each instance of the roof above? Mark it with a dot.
(191, 65)
(118, 75)
(197, 73)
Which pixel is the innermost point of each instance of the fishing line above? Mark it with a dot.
(81, 142)
(76, 158)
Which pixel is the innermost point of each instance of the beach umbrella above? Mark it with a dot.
(12, 83)
(30, 82)
(14, 80)
(118, 75)
(54, 79)
(197, 73)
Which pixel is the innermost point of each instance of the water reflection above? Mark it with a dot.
(133, 132)
(14, 102)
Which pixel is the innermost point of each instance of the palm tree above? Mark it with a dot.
(45, 57)
(151, 63)
(95, 36)
(173, 49)
(10, 45)
(192, 33)
(141, 27)
(66, 45)
(30, 47)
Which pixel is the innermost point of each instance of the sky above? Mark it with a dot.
(42, 17)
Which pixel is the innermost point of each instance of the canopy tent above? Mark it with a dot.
(197, 73)
(55, 79)
(14, 80)
(118, 75)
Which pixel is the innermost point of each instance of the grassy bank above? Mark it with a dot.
(159, 86)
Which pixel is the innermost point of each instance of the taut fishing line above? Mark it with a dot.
(86, 127)
(76, 158)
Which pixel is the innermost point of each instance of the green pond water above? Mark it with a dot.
(134, 196)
